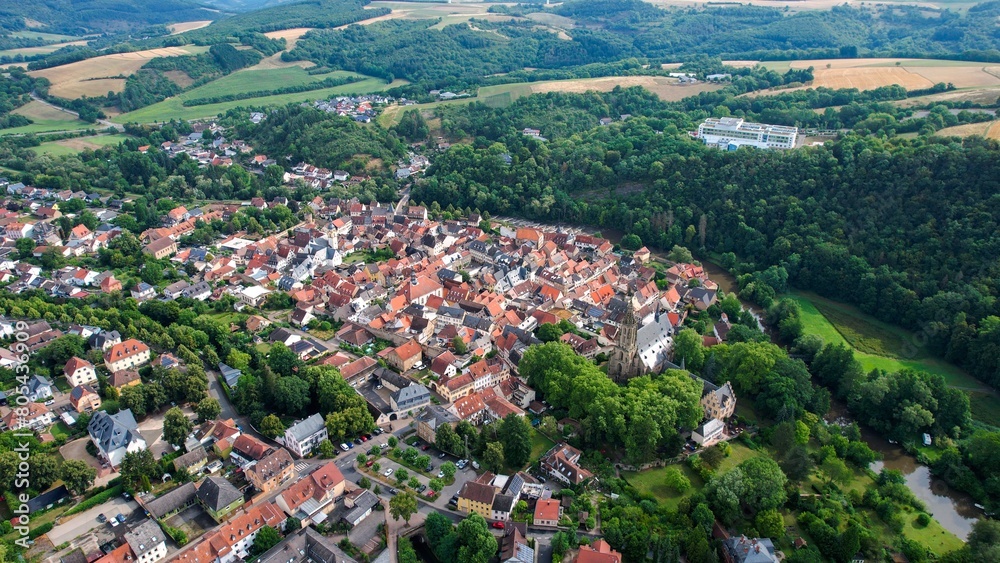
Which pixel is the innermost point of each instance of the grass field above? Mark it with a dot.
(848, 326)
(651, 482)
(173, 108)
(539, 444)
(78, 144)
(257, 80)
(46, 118)
(91, 77)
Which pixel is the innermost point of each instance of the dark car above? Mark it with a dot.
(102, 518)
(421, 488)
(121, 518)
(392, 491)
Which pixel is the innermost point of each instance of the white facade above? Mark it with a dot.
(82, 376)
(728, 132)
(254, 296)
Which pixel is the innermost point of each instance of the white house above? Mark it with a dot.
(303, 436)
(115, 435)
(254, 296)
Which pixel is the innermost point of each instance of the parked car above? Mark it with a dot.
(425, 447)
(370, 463)
(357, 441)
(392, 491)
(350, 444)
(113, 522)
(344, 447)
(475, 465)
(379, 386)
(102, 518)
(498, 525)
(442, 455)
(387, 472)
(421, 488)
(121, 518)
(440, 474)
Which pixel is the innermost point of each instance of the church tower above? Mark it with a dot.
(625, 363)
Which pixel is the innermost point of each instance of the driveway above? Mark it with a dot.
(87, 520)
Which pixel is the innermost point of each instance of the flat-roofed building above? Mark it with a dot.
(732, 132)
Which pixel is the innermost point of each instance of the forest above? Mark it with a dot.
(75, 17)
(462, 55)
(869, 220)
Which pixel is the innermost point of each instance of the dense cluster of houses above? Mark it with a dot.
(359, 108)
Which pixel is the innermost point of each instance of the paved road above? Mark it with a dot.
(229, 411)
(87, 520)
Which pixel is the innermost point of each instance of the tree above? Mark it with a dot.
(515, 435)
(631, 241)
(291, 395)
(176, 426)
(493, 458)
(680, 254)
(436, 485)
(549, 332)
(8, 467)
(676, 480)
(459, 345)
(267, 537)
(765, 483)
(449, 469)
(78, 476)
(688, 347)
(271, 426)
(446, 440)
(403, 505)
(292, 524)
(44, 471)
(475, 542)
(25, 247)
(405, 552)
(837, 470)
(134, 399)
(208, 409)
(769, 524)
(137, 468)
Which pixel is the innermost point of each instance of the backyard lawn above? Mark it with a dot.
(539, 444)
(652, 482)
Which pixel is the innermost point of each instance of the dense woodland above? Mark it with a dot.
(827, 218)
(461, 55)
(75, 17)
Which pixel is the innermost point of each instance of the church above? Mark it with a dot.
(641, 350)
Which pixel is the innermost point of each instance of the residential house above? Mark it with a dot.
(307, 546)
(562, 462)
(79, 372)
(147, 541)
(709, 432)
(254, 296)
(161, 248)
(115, 435)
(38, 388)
(547, 513)
(127, 355)
(409, 398)
(143, 292)
(32, 416)
(84, 398)
(311, 498)
(124, 378)
(718, 401)
(598, 552)
(230, 374)
(233, 540)
(404, 356)
(303, 436)
(432, 418)
(247, 450)
(503, 505)
(271, 471)
(219, 497)
(742, 549)
(477, 498)
(105, 339)
(193, 461)
(514, 547)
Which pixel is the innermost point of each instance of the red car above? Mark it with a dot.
(364, 438)
(370, 463)
(498, 525)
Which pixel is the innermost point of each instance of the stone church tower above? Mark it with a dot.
(625, 363)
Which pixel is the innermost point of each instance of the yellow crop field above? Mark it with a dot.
(291, 36)
(92, 77)
(989, 129)
(868, 78)
(668, 89)
(176, 28)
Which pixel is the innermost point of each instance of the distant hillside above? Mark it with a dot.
(243, 5)
(300, 13)
(79, 17)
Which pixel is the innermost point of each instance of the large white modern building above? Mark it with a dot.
(730, 133)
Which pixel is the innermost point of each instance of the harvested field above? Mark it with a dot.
(291, 36)
(176, 28)
(78, 79)
(668, 89)
(179, 77)
(989, 129)
(868, 78)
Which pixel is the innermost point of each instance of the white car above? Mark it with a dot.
(344, 447)
(387, 472)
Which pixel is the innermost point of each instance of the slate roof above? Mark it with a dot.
(217, 493)
(305, 428)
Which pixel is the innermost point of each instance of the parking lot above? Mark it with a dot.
(87, 520)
